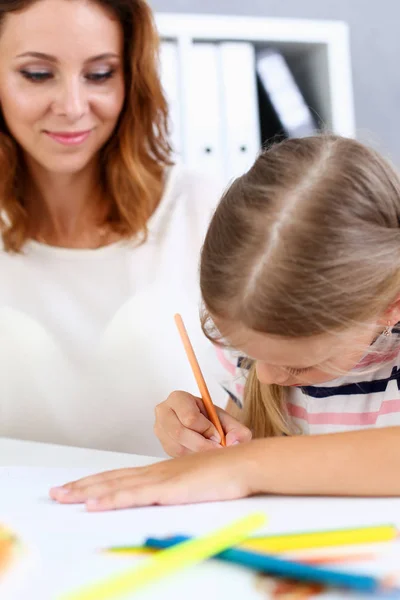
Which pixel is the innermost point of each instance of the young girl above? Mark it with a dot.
(300, 274)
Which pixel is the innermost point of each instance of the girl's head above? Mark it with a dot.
(300, 266)
(87, 69)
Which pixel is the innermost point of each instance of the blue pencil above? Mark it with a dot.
(286, 568)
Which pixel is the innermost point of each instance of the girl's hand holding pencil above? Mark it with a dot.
(183, 426)
(186, 424)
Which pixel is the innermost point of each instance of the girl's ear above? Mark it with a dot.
(391, 316)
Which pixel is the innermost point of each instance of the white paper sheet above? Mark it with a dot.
(63, 543)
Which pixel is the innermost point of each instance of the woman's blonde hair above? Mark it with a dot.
(306, 242)
(133, 160)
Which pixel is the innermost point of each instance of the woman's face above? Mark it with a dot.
(61, 81)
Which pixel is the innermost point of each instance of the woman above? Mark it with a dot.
(100, 232)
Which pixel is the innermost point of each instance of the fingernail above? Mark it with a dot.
(214, 438)
(235, 443)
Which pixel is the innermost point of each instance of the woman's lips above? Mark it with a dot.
(69, 138)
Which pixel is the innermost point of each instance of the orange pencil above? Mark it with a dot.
(201, 384)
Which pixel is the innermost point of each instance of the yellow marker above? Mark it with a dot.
(170, 560)
(321, 539)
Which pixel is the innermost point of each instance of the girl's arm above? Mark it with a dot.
(356, 463)
(359, 463)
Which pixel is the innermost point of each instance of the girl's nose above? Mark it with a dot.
(268, 374)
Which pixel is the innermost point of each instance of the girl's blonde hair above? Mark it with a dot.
(134, 159)
(306, 242)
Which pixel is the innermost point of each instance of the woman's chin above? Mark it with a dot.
(64, 165)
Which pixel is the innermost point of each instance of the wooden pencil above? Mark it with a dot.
(201, 384)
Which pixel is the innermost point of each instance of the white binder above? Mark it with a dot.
(284, 94)
(170, 79)
(204, 149)
(240, 107)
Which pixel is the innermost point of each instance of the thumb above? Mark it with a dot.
(235, 432)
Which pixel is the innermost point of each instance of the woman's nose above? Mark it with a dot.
(71, 100)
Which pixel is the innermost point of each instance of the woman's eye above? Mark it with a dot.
(40, 76)
(36, 76)
(100, 76)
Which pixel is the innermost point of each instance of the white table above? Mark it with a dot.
(42, 525)
(35, 454)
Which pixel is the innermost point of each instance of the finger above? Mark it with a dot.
(199, 423)
(164, 491)
(59, 491)
(201, 406)
(168, 419)
(173, 448)
(168, 427)
(99, 488)
(172, 419)
(195, 442)
(186, 437)
(192, 414)
(236, 432)
(127, 498)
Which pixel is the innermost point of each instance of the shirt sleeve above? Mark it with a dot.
(235, 367)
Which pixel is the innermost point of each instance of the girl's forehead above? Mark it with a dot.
(297, 352)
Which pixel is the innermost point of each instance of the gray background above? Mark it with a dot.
(375, 49)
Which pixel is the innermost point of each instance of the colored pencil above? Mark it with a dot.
(290, 542)
(201, 384)
(321, 539)
(312, 560)
(9, 545)
(170, 560)
(285, 568)
(331, 559)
